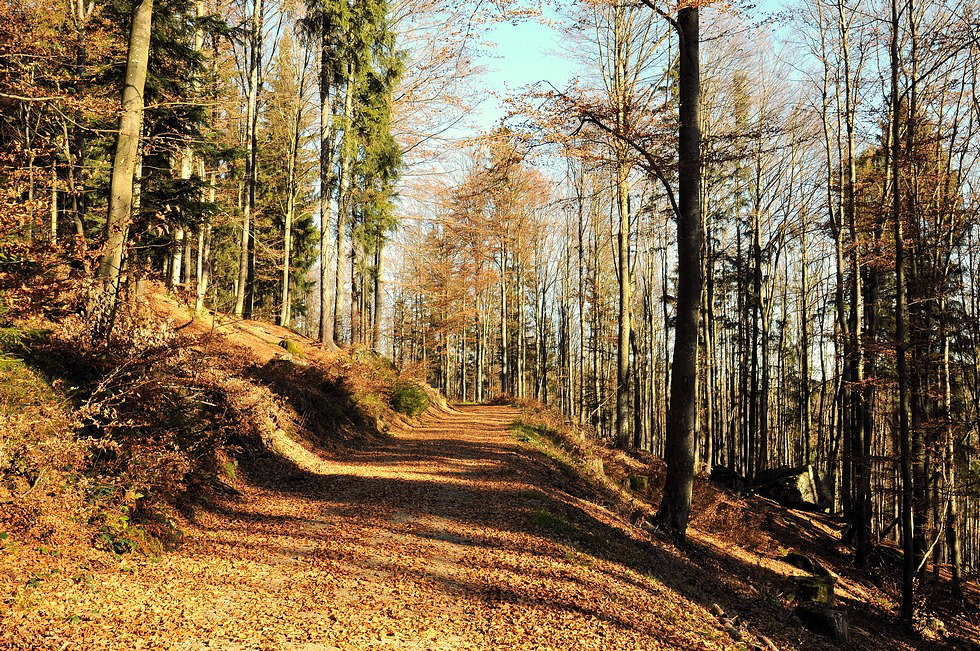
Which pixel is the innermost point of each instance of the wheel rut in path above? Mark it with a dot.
(447, 536)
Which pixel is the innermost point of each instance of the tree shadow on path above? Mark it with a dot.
(462, 482)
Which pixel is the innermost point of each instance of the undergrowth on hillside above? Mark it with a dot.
(145, 423)
(408, 398)
(37, 448)
(630, 482)
(138, 426)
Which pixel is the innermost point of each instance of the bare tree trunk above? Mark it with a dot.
(901, 341)
(625, 298)
(619, 86)
(54, 204)
(675, 507)
(181, 237)
(356, 293)
(177, 256)
(287, 228)
(291, 187)
(246, 270)
(952, 518)
(124, 166)
(504, 348)
(376, 312)
(327, 252)
(754, 437)
(861, 487)
(26, 112)
(519, 356)
(805, 390)
(581, 297)
(343, 203)
(203, 264)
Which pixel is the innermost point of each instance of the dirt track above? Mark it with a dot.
(450, 536)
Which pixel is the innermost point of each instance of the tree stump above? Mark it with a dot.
(814, 589)
(829, 622)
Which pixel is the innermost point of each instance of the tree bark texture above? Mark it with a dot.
(675, 507)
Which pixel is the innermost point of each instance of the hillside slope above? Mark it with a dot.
(335, 523)
(746, 555)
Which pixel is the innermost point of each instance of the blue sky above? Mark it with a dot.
(528, 51)
(523, 54)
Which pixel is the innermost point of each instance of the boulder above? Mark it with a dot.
(595, 467)
(806, 564)
(290, 358)
(729, 479)
(291, 347)
(798, 488)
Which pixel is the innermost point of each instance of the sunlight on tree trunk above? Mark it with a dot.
(123, 168)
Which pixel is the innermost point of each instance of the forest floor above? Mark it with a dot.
(450, 535)
(461, 530)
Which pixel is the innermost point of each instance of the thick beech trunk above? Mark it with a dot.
(675, 506)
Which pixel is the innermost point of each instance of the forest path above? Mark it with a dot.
(453, 535)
